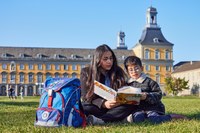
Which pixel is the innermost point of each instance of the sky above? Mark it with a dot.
(89, 23)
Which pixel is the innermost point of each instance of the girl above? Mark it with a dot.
(103, 68)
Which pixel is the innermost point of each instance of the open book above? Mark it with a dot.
(126, 94)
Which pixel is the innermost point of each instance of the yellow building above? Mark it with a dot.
(29, 67)
(154, 50)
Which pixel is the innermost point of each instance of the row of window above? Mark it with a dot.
(157, 54)
(157, 68)
(31, 77)
(39, 66)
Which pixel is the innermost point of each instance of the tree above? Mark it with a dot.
(175, 85)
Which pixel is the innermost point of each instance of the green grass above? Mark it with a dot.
(19, 115)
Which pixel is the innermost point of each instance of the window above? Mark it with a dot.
(21, 67)
(4, 66)
(57, 67)
(48, 66)
(157, 68)
(158, 78)
(65, 75)
(30, 78)
(12, 78)
(147, 67)
(4, 78)
(12, 66)
(82, 66)
(30, 66)
(156, 40)
(48, 75)
(39, 66)
(74, 75)
(65, 67)
(157, 54)
(167, 55)
(57, 75)
(74, 67)
(21, 78)
(147, 54)
(39, 78)
(167, 68)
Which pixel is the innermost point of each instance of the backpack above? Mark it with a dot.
(60, 104)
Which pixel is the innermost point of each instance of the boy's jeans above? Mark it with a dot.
(152, 116)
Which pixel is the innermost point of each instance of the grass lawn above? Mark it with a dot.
(19, 115)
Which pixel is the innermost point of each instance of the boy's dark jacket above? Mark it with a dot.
(154, 94)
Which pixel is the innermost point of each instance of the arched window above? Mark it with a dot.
(30, 77)
(39, 78)
(57, 75)
(21, 77)
(4, 77)
(65, 75)
(74, 75)
(12, 77)
(12, 66)
(48, 75)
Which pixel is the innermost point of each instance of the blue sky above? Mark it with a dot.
(89, 23)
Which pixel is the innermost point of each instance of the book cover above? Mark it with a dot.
(126, 94)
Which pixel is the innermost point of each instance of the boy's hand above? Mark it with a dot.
(110, 104)
(144, 96)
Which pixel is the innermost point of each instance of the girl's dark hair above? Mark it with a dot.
(116, 73)
(132, 60)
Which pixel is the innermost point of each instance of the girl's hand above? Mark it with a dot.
(110, 104)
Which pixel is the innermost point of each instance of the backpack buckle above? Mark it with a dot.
(50, 92)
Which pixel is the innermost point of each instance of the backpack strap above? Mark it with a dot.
(50, 99)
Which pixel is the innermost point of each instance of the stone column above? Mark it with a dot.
(7, 90)
(25, 90)
(34, 90)
(16, 90)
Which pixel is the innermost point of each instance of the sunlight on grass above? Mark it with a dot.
(19, 116)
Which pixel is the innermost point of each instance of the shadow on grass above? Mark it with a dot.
(20, 103)
(195, 116)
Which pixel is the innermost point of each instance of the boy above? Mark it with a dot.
(150, 107)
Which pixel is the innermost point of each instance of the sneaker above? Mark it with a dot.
(178, 116)
(92, 120)
(129, 119)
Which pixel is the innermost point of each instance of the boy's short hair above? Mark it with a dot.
(132, 60)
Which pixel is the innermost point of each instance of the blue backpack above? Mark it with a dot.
(60, 104)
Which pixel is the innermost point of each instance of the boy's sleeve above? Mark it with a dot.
(155, 95)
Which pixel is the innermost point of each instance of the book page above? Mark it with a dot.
(104, 91)
(129, 89)
(129, 95)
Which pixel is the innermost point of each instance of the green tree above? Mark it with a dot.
(175, 85)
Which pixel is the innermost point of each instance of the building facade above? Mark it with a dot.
(154, 50)
(29, 67)
(191, 72)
